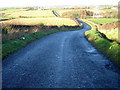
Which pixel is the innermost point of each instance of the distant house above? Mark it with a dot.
(39, 8)
(114, 8)
(97, 15)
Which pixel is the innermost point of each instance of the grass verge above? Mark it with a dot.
(110, 49)
(10, 46)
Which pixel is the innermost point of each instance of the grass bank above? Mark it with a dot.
(10, 46)
(108, 48)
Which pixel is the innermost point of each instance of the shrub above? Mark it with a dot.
(41, 25)
(7, 29)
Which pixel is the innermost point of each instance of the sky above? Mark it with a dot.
(21, 3)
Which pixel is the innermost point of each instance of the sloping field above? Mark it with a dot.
(37, 21)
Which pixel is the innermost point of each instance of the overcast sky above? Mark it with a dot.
(20, 3)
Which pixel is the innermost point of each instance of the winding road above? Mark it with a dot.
(60, 60)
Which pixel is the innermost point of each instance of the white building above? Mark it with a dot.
(97, 13)
(114, 8)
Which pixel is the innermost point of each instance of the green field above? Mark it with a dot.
(36, 21)
(17, 13)
(103, 21)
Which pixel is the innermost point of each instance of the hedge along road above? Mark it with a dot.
(60, 60)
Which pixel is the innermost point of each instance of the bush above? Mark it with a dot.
(41, 25)
(6, 30)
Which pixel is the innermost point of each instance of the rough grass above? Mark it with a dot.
(10, 46)
(103, 21)
(112, 34)
(110, 49)
(36, 21)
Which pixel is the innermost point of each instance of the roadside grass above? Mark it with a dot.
(10, 46)
(110, 49)
(36, 21)
(103, 21)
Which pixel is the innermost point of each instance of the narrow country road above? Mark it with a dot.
(60, 60)
(55, 13)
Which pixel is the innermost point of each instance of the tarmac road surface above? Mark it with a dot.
(60, 60)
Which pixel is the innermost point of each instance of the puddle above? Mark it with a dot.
(110, 66)
(92, 51)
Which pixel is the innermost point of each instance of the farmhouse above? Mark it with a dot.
(114, 8)
(97, 16)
